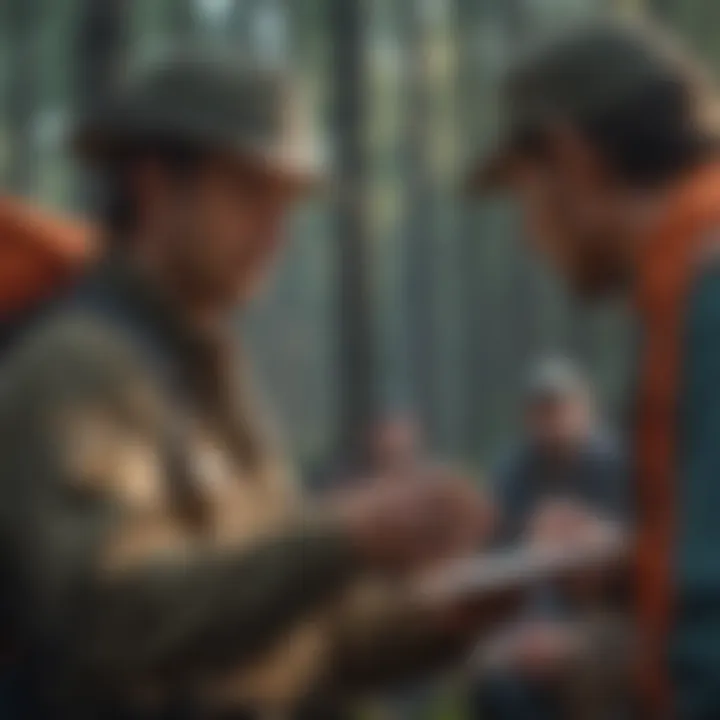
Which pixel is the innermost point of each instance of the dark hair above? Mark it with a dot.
(649, 139)
(117, 201)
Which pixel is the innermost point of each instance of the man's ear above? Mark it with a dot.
(579, 160)
(142, 178)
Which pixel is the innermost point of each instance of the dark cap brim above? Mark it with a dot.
(96, 146)
(311, 177)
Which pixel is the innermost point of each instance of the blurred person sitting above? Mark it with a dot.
(565, 453)
(393, 448)
(396, 446)
(565, 475)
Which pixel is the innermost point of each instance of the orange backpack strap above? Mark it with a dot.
(672, 261)
(40, 252)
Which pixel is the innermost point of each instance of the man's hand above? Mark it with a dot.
(540, 650)
(406, 526)
(565, 522)
(562, 523)
(545, 650)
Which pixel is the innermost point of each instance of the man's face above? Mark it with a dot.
(556, 425)
(570, 213)
(220, 226)
(395, 445)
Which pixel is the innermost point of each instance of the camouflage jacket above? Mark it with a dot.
(155, 545)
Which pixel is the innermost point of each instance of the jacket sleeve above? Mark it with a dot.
(101, 567)
(698, 489)
(385, 637)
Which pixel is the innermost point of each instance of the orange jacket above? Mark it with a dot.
(665, 279)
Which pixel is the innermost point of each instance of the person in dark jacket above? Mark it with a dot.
(565, 453)
(566, 466)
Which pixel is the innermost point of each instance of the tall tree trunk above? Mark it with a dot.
(101, 43)
(419, 252)
(636, 7)
(467, 92)
(356, 357)
(482, 269)
(22, 91)
(102, 35)
(181, 20)
(518, 23)
(242, 23)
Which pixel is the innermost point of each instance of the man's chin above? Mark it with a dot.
(596, 287)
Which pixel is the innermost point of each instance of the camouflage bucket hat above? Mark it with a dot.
(212, 102)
